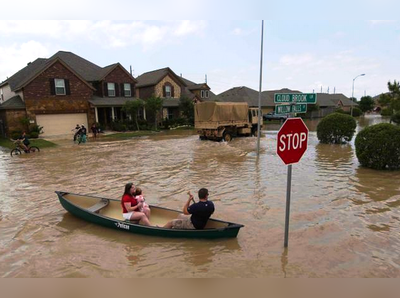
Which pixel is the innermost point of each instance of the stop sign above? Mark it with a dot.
(292, 140)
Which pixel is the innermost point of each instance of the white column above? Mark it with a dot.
(96, 115)
(112, 114)
(144, 113)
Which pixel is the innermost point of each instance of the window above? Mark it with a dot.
(60, 86)
(206, 94)
(111, 89)
(202, 93)
(168, 91)
(127, 90)
(170, 114)
(1, 95)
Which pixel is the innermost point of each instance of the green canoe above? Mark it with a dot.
(108, 213)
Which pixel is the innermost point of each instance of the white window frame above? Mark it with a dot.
(168, 91)
(109, 85)
(59, 86)
(202, 93)
(1, 95)
(206, 93)
(127, 90)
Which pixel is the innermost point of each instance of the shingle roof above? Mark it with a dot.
(171, 102)
(110, 101)
(246, 94)
(153, 77)
(14, 103)
(26, 73)
(332, 100)
(85, 69)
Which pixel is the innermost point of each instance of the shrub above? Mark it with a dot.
(395, 118)
(357, 112)
(118, 126)
(36, 128)
(15, 134)
(34, 135)
(336, 128)
(378, 147)
(386, 112)
(340, 111)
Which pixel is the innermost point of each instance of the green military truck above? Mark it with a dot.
(225, 120)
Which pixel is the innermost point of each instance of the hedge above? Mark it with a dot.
(336, 128)
(378, 147)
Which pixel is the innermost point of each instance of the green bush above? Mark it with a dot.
(378, 147)
(395, 118)
(386, 112)
(170, 123)
(357, 112)
(34, 134)
(336, 128)
(15, 134)
(36, 128)
(340, 111)
(118, 126)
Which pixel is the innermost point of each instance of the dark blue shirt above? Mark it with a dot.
(201, 212)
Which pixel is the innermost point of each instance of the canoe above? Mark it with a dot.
(108, 213)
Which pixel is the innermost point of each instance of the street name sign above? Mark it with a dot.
(292, 140)
(293, 108)
(310, 98)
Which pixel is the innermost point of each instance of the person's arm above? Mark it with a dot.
(185, 207)
(131, 208)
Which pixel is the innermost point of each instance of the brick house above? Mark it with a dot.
(164, 83)
(62, 91)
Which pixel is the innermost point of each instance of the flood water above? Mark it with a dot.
(345, 220)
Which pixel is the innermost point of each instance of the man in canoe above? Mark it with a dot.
(130, 206)
(196, 215)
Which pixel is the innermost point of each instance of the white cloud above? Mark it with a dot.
(241, 32)
(15, 57)
(190, 27)
(105, 33)
(382, 22)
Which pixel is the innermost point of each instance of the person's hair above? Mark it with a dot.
(138, 191)
(203, 193)
(128, 188)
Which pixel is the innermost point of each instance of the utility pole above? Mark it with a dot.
(259, 93)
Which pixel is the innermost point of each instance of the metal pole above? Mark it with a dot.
(259, 93)
(352, 97)
(288, 190)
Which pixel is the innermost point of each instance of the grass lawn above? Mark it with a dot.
(127, 135)
(34, 142)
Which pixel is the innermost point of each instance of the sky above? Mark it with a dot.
(309, 47)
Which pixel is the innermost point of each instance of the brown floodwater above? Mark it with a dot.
(344, 218)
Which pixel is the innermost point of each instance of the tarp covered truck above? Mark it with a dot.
(225, 120)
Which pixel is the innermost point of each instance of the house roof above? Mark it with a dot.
(332, 100)
(14, 103)
(171, 102)
(85, 69)
(154, 77)
(246, 94)
(110, 101)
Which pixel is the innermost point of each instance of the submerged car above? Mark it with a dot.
(272, 116)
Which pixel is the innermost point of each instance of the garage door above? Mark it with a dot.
(60, 124)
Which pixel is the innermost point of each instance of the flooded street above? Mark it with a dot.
(345, 220)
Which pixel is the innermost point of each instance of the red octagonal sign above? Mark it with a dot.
(292, 140)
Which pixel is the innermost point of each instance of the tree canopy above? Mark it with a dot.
(391, 99)
(366, 104)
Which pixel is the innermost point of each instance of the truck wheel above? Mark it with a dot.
(227, 137)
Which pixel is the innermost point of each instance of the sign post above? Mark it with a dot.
(292, 142)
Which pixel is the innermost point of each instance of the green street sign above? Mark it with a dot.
(287, 109)
(295, 97)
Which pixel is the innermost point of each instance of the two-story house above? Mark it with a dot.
(64, 90)
(164, 83)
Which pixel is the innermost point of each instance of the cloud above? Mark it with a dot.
(241, 32)
(298, 59)
(382, 22)
(16, 56)
(107, 34)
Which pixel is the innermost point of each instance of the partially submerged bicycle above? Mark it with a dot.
(19, 149)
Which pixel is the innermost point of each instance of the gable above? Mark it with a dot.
(119, 75)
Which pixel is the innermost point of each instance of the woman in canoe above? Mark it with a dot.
(131, 207)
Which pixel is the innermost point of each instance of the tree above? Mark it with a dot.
(186, 105)
(392, 98)
(153, 107)
(132, 108)
(366, 104)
